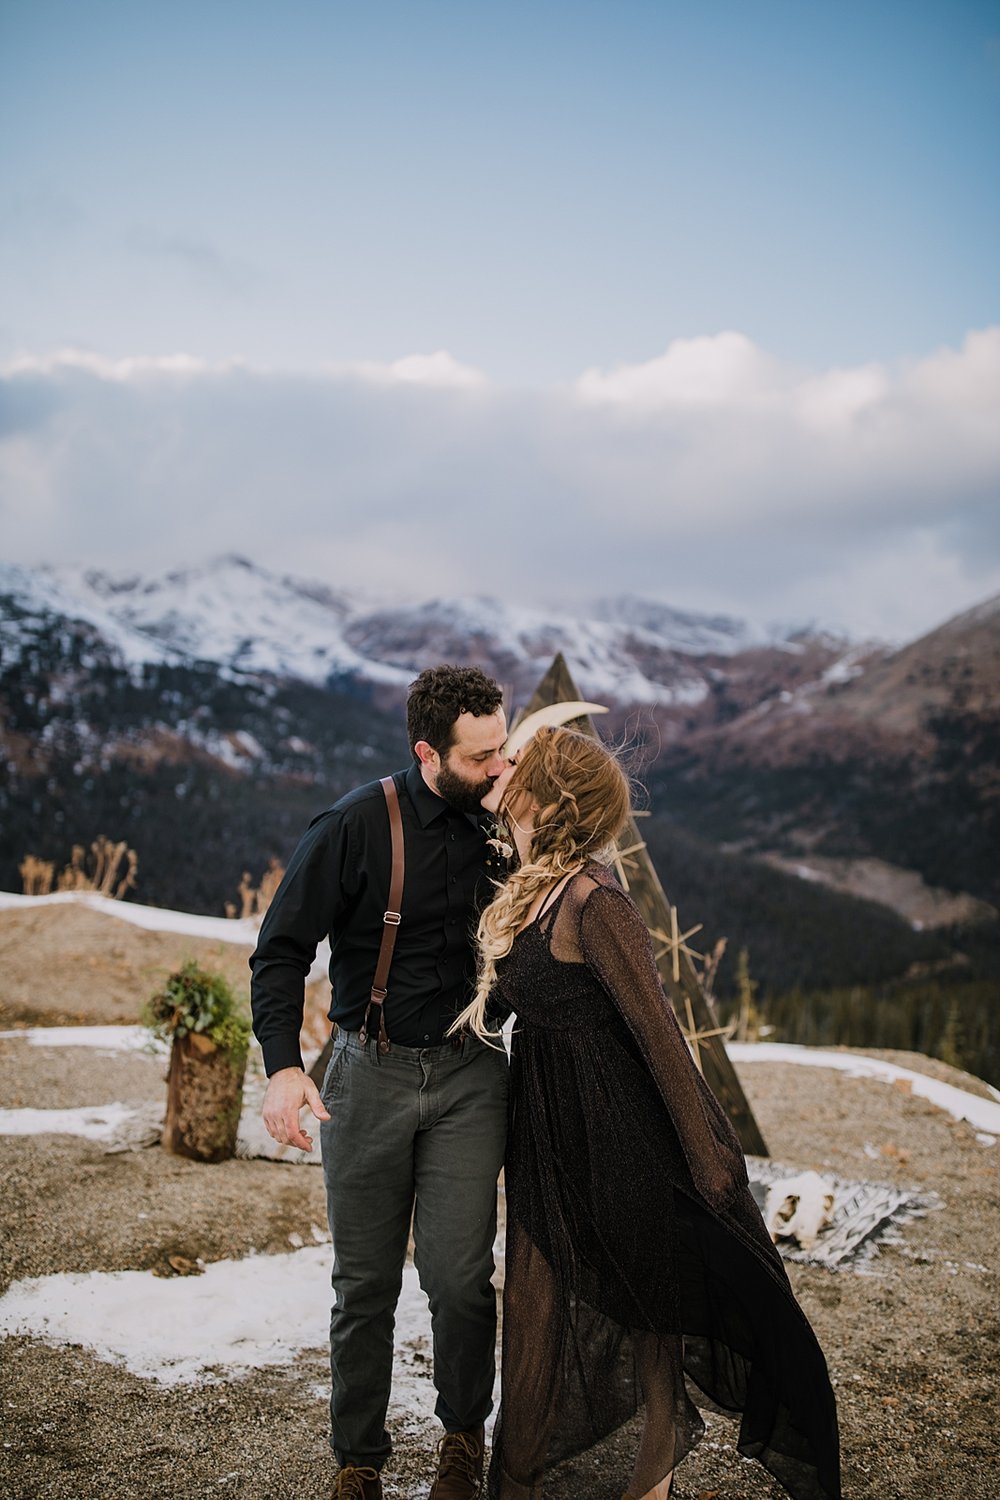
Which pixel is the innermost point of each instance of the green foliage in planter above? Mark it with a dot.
(195, 1000)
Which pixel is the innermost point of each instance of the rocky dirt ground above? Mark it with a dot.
(911, 1338)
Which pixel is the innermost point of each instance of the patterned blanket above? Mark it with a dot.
(865, 1214)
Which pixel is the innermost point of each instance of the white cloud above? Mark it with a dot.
(135, 367)
(714, 476)
(719, 370)
(440, 369)
(832, 401)
(966, 380)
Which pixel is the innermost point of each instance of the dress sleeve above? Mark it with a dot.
(616, 946)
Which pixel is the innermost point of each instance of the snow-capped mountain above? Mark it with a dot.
(207, 714)
(697, 634)
(232, 613)
(251, 621)
(32, 596)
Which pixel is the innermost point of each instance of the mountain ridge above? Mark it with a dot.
(791, 746)
(250, 620)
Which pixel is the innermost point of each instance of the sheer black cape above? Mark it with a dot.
(635, 1254)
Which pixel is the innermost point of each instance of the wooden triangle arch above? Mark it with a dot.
(680, 979)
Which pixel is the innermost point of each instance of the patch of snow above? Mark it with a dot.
(248, 743)
(95, 1122)
(153, 918)
(238, 1315)
(235, 1318)
(119, 1122)
(107, 1039)
(982, 1114)
(846, 667)
(241, 930)
(683, 630)
(226, 748)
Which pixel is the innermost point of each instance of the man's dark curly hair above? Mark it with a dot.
(435, 700)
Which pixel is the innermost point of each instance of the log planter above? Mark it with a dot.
(209, 1035)
(204, 1098)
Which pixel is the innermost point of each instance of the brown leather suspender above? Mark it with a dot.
(391, 919)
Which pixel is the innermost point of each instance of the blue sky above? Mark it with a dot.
(543, 195)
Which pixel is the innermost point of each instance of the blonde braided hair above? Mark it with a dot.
(583, 797)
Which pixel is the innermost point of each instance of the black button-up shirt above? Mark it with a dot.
(337, 884)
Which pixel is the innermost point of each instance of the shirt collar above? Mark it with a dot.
(426, 804)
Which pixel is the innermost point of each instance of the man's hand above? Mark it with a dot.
(289, 1091)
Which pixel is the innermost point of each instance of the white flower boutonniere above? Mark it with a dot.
(497, 840)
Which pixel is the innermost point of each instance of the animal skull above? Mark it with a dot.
(798, 1208)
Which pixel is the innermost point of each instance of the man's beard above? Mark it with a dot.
(464, 796)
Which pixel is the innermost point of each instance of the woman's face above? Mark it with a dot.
(506, 796)
(516, 800)
(493, 800)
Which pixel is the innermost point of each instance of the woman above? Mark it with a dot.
(635, 1252)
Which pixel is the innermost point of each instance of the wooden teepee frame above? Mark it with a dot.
(673, 957)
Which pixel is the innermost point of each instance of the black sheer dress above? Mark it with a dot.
(635, 1252)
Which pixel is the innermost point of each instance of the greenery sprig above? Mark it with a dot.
(195, 1000)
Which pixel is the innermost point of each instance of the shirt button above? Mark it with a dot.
(427, 1036)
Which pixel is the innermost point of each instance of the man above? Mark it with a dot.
(418, 1129)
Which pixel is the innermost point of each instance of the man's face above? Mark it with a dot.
(466, 772)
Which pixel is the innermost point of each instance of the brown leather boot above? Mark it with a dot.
(357, 1484)
(460, 1466)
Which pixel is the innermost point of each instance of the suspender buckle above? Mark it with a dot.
(378, 1034)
